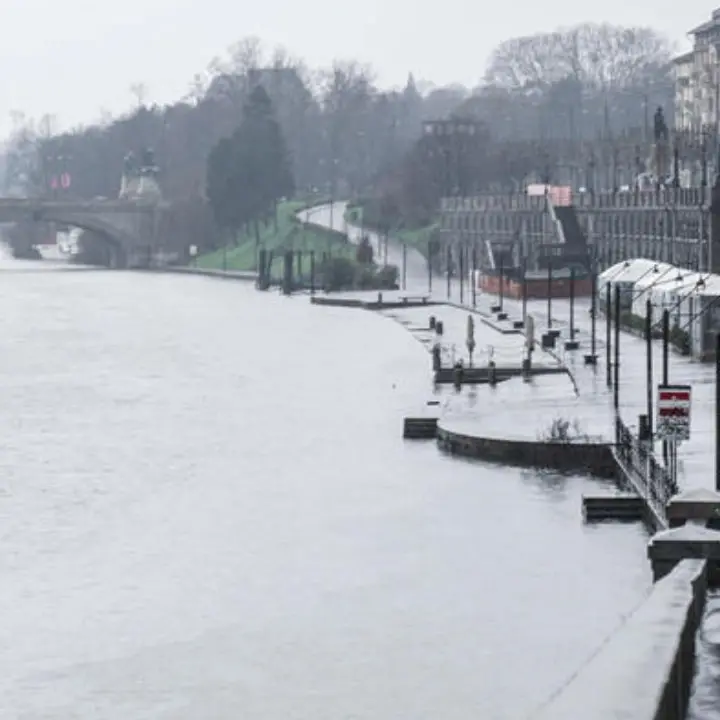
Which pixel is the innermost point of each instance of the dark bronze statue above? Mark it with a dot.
(660, 126)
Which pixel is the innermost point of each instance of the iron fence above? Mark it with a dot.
(653, 479)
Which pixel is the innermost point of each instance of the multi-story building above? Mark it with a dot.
(684, 91)
(697, 78)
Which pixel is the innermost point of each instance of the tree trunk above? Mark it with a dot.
(256, 227)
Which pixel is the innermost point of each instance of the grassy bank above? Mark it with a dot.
(290, 234)
(417, 238)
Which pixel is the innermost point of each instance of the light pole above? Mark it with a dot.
(333, 165)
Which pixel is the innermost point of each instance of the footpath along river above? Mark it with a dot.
(207, 513)
(697, 456)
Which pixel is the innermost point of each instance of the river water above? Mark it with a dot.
(207, 512)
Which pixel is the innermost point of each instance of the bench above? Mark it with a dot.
(415, 299)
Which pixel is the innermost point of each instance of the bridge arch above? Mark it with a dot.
(115, 238)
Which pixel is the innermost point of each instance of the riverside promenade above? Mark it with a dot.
(617, 679)
(695, 457)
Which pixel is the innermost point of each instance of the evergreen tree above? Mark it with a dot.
(220, 185)
(249, 172)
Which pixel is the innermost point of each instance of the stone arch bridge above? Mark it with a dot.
(131, 227)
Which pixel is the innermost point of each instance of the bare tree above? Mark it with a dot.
(595, 55)
(139, 92)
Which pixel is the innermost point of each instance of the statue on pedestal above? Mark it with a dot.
(661, 151)
(139, 179)
(660, 126)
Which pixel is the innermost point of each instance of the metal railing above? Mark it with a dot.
(654, 480)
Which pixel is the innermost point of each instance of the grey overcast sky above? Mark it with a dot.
(74, 58)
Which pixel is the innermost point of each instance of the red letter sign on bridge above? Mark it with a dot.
(673, 412)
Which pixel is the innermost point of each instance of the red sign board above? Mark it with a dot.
(673, 412)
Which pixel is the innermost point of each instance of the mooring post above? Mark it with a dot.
(268, 269)
(549, 295)
(430, 247)
(524, 291)
(474, 274)
(649, 364)
(461, 270)
(299, 258)
(572, 303)
(616, 384)
(608, 335)
(287, 283)
(593, 313)
(404, 266)
(717, 413)
(261, 269)
(665, 368)
(449, 269)
(502, 279)
(312, 272)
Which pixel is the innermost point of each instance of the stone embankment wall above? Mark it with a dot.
(586, 457)
(645, 670)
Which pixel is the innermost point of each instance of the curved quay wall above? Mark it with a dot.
(587, 457)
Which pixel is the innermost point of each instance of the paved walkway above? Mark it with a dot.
(695, 457)
(523, 410)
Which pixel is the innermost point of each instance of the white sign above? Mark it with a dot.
(673, 412)
(193, 250)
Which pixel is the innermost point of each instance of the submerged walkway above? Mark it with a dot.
(695, 457)
(515, 409)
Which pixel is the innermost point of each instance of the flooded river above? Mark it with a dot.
(207, 512)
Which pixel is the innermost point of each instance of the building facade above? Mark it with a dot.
(697, 79)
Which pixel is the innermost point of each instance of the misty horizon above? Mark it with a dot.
(79, 63)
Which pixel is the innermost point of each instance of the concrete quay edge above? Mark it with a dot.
(644, 670)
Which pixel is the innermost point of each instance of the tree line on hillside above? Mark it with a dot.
(543, 101)
(249, 171)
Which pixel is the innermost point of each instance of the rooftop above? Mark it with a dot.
(709, 25)
(684, 58)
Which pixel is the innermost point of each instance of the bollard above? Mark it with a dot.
(492, 373)
(431, 322)
(262, 265)
(436, 358)
(458, 375)
(287, 283)
(439, 327)
(526, 367)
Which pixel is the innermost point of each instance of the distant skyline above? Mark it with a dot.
(78, 59)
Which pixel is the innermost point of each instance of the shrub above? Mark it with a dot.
(387, 277)
(563, 431)
(337, 273)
